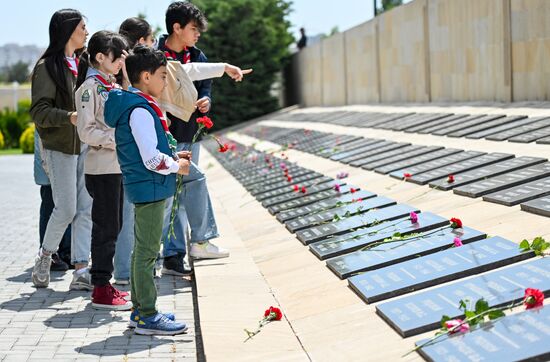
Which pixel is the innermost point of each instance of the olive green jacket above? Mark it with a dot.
(50, 111)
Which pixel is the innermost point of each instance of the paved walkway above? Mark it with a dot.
(54, 323)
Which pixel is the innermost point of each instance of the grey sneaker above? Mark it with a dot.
(82, 281)
(41, 271)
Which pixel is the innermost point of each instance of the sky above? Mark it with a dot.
(26, 21)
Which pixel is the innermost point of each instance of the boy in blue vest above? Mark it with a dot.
(149, 163)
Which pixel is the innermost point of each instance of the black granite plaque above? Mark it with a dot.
(283, 183)
(323, 205)
(431, 165)
(343, 155)
(467, 165)
(519, 337)
(544, 141)
(433, 269)
(339, 141)
(328, 152)
(388, 117)
(340, 213)
(463, 124)
(496, 169)
(504, 127)
(421, 312)
(504, 181)
(485, 125)
(289, 188)
(390, 147)
(379, 256)
(416, 160)
(538, 206)
(310, 199)
(516, 131)
(297, 195)
(385, 155)
(399, 125)
(355, 240)
(442, 123)
(531, 136)
(401, 156)
(521, 193)
(364, 220)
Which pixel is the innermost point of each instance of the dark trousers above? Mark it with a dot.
(107, 195)
(46, 208)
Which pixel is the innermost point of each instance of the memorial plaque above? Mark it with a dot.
(504, 127)
(437, 123)
(426, 271)
(442, 126)
(328, 152)
(518, 337)
(297, 195)
(400, 125)
(284, 183)
(467, 165)
(431, 165)
(310, 199)
(504, 181)
(340, 141)
(340, 213)
(289, 189)
(521, 193)
(537, 206)
(463, 124)
(390, 147)
(485, 125)
(544, 141)
(531, 136)
(323, 205)
(385, 155)
(343, 155)
(400, 156)
(389, 117)
(267, 178)
(364, 220)
(504, 135)
(416, 160)
(496, 169)
(422, 312)
(386, 254)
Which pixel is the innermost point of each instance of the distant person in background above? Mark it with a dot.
(53, 111)
(303, 39)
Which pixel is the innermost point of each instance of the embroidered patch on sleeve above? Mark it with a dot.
(85, 96)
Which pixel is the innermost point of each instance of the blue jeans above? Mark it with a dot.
(125, 242)
(73, 204)
(195, 211)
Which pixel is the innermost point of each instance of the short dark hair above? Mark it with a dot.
(143, 59)
(183, 12)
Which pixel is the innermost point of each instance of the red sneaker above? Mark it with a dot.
(104, 298)
(120, 293)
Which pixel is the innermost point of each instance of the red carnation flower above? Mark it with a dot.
(296, 188)
(223, 148)
(289, 178)
(304, 190)
(456, 223)
(407, 175)
(205, 121)
(533, 298)
(450, 179)
(352, 190)
(273, 314)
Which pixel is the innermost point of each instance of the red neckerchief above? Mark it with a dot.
(156, 108)
(106, 84)
(169, 53)
(70, 66)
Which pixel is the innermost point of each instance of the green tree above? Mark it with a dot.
(18, 72)
(388, 5)
(250, 34)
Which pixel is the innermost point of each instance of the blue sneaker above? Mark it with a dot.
(158, 324)
(134, 318)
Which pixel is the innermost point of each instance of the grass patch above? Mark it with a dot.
(11, 151)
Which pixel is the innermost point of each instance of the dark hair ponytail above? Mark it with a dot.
(105, 42)
(134, 29)
(62, 25)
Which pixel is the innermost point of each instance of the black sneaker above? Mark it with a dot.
(175, 265)
(58, 264)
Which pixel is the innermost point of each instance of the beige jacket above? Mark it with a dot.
(180, 95)
(90, 99)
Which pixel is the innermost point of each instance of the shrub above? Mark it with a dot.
(26, 142)
(12, 125)
(1, 140)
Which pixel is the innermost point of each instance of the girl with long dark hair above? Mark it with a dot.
(54, 114)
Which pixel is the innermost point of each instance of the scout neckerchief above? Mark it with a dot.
(108, 86)
(72, 68)
(172, 143)
(169, 53)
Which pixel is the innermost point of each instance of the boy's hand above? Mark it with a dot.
(236, 73)
(185, 155)
(73, 118)
(203, 104)
(184, 166)
(125, 80)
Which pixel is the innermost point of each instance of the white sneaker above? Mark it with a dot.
(207, 251)
(82, 281)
